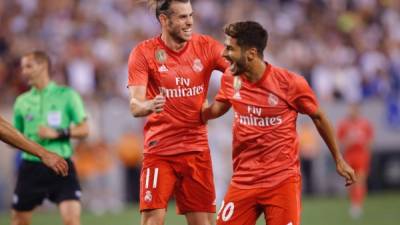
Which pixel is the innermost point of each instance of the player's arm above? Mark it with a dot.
(13, 137)
(326, 131)
(140, 106)
(215, 110)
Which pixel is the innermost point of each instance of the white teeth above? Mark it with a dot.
(232, 67)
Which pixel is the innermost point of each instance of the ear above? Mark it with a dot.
(251, 53)
(163, 19)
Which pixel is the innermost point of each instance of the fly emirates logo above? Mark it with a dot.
(183, 89)
(254, 118)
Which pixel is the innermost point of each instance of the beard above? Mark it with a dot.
(238, 67)
(175, 33)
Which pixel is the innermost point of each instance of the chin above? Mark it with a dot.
(187, 37)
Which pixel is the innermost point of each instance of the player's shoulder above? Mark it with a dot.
(148, 42)
(146, 45)
(366, 121)
(286, 77)
(283, 74)
(203, 39)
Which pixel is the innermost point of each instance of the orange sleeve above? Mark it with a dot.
(138, 68)
(301, 97)
(221, 96)
(216, 49)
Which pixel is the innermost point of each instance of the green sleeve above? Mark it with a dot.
(18, 119)
(76, 110)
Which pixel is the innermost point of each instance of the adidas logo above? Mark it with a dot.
(162, 69)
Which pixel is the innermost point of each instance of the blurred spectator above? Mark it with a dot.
(129, 148)
(356, 134)
(94, 164)
(309, 151)
(348, 49)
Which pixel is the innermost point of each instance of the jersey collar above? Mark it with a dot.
(50, 86)
(267, 71)
(178, 53)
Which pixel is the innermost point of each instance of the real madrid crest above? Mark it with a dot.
(237, 84)
(148, 196)
(161, 56)
(272, 99)
(197, 65)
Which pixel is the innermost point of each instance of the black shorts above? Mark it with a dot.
(37, 182)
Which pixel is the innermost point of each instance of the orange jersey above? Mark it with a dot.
(182, 77)
(355, 134)
(265, 143)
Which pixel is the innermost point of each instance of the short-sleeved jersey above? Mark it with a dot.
(265, 143)
(183, 78)
(356, 134)
(54, 106)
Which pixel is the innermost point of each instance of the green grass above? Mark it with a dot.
(380, 209)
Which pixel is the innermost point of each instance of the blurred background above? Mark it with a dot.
(348, 50)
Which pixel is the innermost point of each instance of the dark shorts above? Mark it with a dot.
(37, 182)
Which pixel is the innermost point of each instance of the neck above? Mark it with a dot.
(255, 71)
(171, 43)
(40, 85)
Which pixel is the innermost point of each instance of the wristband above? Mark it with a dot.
(63, 133)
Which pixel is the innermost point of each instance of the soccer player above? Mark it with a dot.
(49, 115)
(11, 136)
(168, 81)
(266, 100)
(355, 134)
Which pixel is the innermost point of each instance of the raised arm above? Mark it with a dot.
(215, 110)
(140, 106)
(13, 137)
(326, 131)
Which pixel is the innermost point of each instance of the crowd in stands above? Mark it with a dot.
(347, 49)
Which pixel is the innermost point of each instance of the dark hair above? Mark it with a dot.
(40, 57)
(163, 6)
(249, 34)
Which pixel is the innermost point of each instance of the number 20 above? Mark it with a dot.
(226, 210)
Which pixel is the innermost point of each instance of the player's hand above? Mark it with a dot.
(47, 133)
(56, 163)
(346, 171)
(157, 104)
(203, 108)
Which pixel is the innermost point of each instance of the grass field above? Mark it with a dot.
(381, 209)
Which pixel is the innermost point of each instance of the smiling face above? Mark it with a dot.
(179, 23)
(235, 55)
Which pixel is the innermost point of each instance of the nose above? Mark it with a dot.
(189, 20)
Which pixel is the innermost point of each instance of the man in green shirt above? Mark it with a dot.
(11, 136)
(49, 115)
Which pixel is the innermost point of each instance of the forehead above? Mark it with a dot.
(181, 8)
(27, 59)
(230, 41)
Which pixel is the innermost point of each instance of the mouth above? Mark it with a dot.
(233, 68)
(187, 31)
